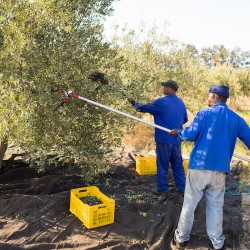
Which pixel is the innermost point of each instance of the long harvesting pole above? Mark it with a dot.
(67, 94)
(122, 113)
(141, 120)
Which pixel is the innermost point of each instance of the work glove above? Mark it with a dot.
(174, 132)
(130, 99)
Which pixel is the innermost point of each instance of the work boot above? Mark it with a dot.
(176, 245)
(157, 192)
(162, 193)
(176, 191)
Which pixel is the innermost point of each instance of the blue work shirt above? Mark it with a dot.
(215, 131)
(169, 112)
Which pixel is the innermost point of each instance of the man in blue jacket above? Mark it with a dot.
(214, 131)
(169, 112)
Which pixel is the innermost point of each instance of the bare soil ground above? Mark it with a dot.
(34, 211)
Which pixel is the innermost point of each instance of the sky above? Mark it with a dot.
(202, 23)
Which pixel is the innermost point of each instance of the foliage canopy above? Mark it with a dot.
(46, 45)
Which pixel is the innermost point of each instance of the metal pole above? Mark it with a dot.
(141, 120)
(125, 114)
(241, 157)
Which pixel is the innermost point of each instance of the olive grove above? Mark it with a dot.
(46, 45)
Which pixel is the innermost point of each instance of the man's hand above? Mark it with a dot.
(174, 132)
(130, 99)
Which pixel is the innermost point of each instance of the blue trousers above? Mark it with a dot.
(165, 154)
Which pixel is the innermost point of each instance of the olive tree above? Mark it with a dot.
(45, 45)
(150, 57)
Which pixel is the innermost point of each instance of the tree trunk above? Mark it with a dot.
(3, 148)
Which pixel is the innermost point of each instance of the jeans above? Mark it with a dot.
(212, 185)
(165, 154)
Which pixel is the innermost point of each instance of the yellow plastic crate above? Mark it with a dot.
(147, 165)
(92, 216)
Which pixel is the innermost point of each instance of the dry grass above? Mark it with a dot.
(244, 174)
(242, 107)
(141, 139)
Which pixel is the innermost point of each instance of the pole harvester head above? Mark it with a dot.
(66, 96)
(100, 77)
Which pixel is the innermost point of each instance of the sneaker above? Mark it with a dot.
(176, 245)
(222, 248)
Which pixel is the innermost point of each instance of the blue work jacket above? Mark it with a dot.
(215, 131)
(169, 112)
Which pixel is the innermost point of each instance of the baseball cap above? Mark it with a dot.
(171, 84)
(220, 89)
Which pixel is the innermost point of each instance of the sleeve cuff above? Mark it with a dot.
(179, 134)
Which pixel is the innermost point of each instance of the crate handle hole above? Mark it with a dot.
(102, 207)
(81, 191)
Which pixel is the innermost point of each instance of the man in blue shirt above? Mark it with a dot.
(214, 131)
(169, 112)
